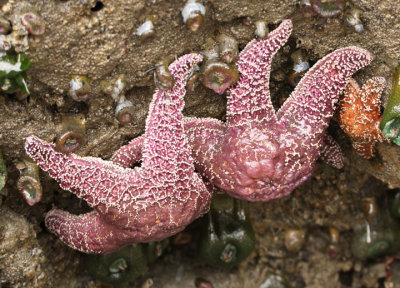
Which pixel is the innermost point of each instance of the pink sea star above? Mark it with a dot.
(147, 203)
(259, 155)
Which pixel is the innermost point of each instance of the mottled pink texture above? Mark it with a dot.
(264, 155)
(128, 155)
(259, 155)
(331, 153)
(143, 204)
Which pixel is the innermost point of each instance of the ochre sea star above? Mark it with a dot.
(260, 154)
(143, 204)
(360, 116)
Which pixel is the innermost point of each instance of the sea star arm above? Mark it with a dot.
(165, 145)
(88, 232)
(95, 180)
(203, 135)
(364, 147)
(331, 153)
(249, 100)
(310, 107)
(129, 154)
(370, 95)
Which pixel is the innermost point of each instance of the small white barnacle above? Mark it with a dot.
(124, 111)
(352, 18)
(193, 14)
(261, 29)
(146, 30)
(79, 87)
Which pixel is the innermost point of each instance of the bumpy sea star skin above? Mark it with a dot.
(212, 130)
(259, 155)
(331, 152)
(144, 204)
(264, 155)
(360, 116)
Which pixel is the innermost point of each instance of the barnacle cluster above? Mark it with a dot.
(14, 34)
(15, 29)
(320, 10)
(193, 13)
(219, 72)
(116, 88)
(323, 8)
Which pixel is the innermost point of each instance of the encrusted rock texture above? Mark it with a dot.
(101, 43)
